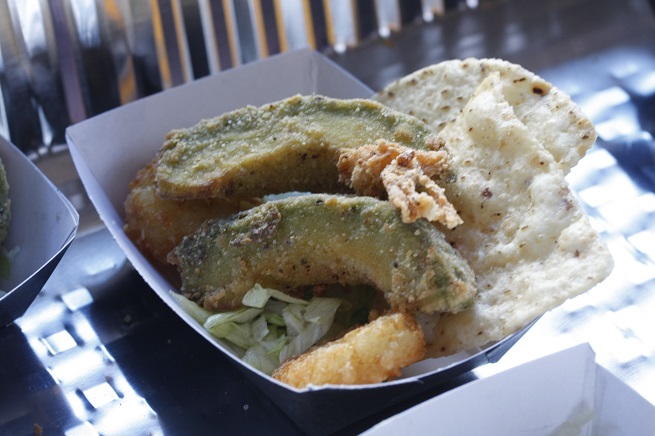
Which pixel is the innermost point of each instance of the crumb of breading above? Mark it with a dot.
(404, 176)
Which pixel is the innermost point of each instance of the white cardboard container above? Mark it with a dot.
(43, 224)
(564, 393)
(109, 149)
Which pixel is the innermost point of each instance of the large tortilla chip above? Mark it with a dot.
(524, 234)
(437, 94)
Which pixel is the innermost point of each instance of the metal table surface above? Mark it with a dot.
(99, 353)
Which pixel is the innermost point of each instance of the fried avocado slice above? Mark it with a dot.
(156, 225)
(5, 213)
(290, 145)
(323, 239)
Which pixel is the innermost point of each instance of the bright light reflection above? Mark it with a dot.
(86, 20)
(31, 24)
(100, 395)
(59, 342)
(644, 242)
(38, 347)
(77, 298)
(77, 406)
(133, 413)
(44, 315)
(595, 105)
(617, 127)
(295, 29)
(625, 264)
(645, 85)
(84, 429)
(83, 329)
(77, 366)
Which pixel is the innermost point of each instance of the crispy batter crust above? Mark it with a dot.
(156, 225)
(403, 175)
(319, 239)
(373, 353)
(290, 145)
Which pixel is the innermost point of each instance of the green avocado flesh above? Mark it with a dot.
(5, 214)
(291, 145)
(323, 239)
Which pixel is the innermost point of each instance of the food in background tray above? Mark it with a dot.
(5, 212)
(5, 218)
(504, 140)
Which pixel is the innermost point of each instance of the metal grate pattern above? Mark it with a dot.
(62, 61)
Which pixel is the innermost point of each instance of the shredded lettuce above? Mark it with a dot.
(258, 296)
(196, 312)
(242, 315)
(271, 327)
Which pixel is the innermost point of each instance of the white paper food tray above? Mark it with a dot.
(565, 393)
(43, 224)
(109, 149)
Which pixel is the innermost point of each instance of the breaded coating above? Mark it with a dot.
(290, 145)
(5, 212)
(323, 239)
(373, 353)
(156, 226)
(404, 176)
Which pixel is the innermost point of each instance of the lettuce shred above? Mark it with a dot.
(272, 326)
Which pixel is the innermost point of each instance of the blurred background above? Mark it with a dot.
(62, 61)
(65, 60)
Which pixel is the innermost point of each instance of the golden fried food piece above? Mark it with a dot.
(322, 239)
(407, 177)
(373, 353)
(5, 212)
(290, 145)
(156, 226)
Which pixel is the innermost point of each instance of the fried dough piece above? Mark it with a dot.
(156, 226)
(437, 95)
(323, 239)
(373, 353)
(5, 212)
(290, 145)
(404, 176)
(524, 233)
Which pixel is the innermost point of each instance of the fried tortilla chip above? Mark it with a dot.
(437, 94)
(524, 234)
